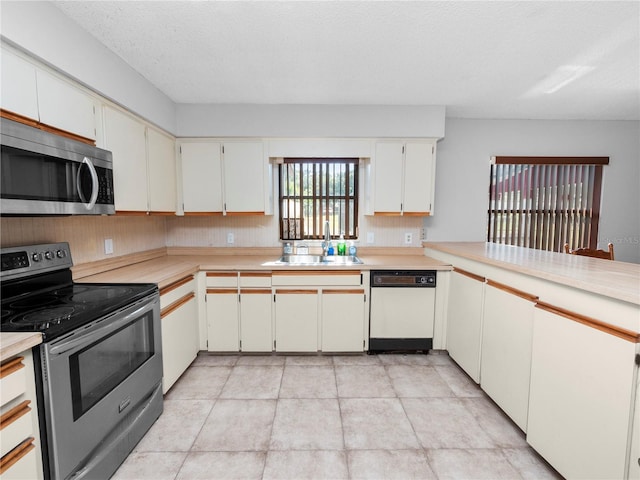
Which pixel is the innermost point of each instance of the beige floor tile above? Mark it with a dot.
(253, 382)
(223, 466)
(237, 425)
(389, 464)
(363, 381)
(459, 382)
(417, 381)
(495, 423)
(376, 423)
(530, 465)
(307, 424)
(199, 383)
(445, 423)
(150, 466)
(404, 359)
(478, 464)
(309, 360)
(363, 359)
(184, 416)
(310, 381)
(264, 360)
(214, 360)
(306, 465)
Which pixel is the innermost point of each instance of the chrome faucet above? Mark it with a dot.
(327, 238)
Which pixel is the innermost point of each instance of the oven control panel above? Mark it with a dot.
(410, 278)
(33, 259)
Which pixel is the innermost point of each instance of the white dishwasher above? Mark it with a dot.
(402, 310)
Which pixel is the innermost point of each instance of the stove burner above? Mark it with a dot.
(99, 294)
(34, 302)
(45, 317)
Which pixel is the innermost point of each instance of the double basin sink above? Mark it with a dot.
(320, 260)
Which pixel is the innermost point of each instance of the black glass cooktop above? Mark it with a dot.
(55, 311)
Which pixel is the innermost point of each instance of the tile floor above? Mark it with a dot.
(331, 417)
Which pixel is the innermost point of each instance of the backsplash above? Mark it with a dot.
(86, 234)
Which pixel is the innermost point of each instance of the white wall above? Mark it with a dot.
(42, 30)
(310, 121)
(462, 177)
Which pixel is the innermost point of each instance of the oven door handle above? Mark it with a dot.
(102, 327)
(95, 187)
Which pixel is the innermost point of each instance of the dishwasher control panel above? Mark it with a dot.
(403, 278)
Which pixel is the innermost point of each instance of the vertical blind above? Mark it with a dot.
(545, 202)
(313, 191)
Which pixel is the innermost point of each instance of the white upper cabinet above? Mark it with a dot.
(64, 106)
(403, 178)
(244, 166)
(125, 138)
(161, 164)
(201, 177)
(18, 88)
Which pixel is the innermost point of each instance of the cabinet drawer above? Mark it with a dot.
(222, 279)
(13, 379)
(21, 462)
(15, 426)
(255, 279)
(177, 290)
(314, 277)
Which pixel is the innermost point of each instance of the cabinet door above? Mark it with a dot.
(125, 137)
(255, 320)
(244, 165)
(222, 320)
(201, 177)
(464, 323)
(161, 164)
(507, 328)
(388, 178)
(582, 382)
(179, 341)
(296, 314)
(64, 106)
(343, 314)
(418, 178)
(18, 86)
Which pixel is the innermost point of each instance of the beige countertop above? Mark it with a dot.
(14, 343)
(619, 280)
(171, 268)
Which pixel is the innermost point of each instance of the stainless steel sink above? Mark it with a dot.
(319, 260)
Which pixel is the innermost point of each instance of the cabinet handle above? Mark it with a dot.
(14, 414)
(11, 366)
(352, 291)
(469, 274)
(513, 291)
(175, 285)
(177, 304)
(16, 454)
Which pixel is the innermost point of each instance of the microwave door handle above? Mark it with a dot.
(94, 184)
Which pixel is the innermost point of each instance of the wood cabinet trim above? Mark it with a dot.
(297, 291)
(256, 291)
(131, 213)
(479, 278)
(222, 274)
(416, 214)
(11, 366)
(297, 273)
(161, 213)
(218, 291)
(255, 274)
(619, 332)
(14, 414)
(177, 304)
(176, 284)
(513, 291)
(16, 454)
(44, 127)
(244, 214)
(202, 214)
(346, 291)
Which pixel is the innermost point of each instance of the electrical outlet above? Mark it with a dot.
(408, 238)
(423, 234)
(230, 238)
(108, 246)
(370, 237)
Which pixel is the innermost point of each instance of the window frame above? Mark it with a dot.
(554, 216)
(322, 197)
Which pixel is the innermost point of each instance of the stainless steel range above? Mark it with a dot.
(99, 368)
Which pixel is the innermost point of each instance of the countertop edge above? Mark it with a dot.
(13, 343)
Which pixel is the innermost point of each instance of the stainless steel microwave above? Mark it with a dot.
(46, 174)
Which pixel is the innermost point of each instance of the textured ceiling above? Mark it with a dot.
(509, 59)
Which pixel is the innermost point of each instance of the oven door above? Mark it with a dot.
(98, 383)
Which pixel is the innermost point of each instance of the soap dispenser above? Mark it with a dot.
(342, 247)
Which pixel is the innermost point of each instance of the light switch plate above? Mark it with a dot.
(108, 246)
(230, 238)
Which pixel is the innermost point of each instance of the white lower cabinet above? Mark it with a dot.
(464, 321)
(580, 404)
(507, 329)
(180, 330)
(343, 320)
(296, 314)
(255, 312)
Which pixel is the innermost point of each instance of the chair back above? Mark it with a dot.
(589, 252)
